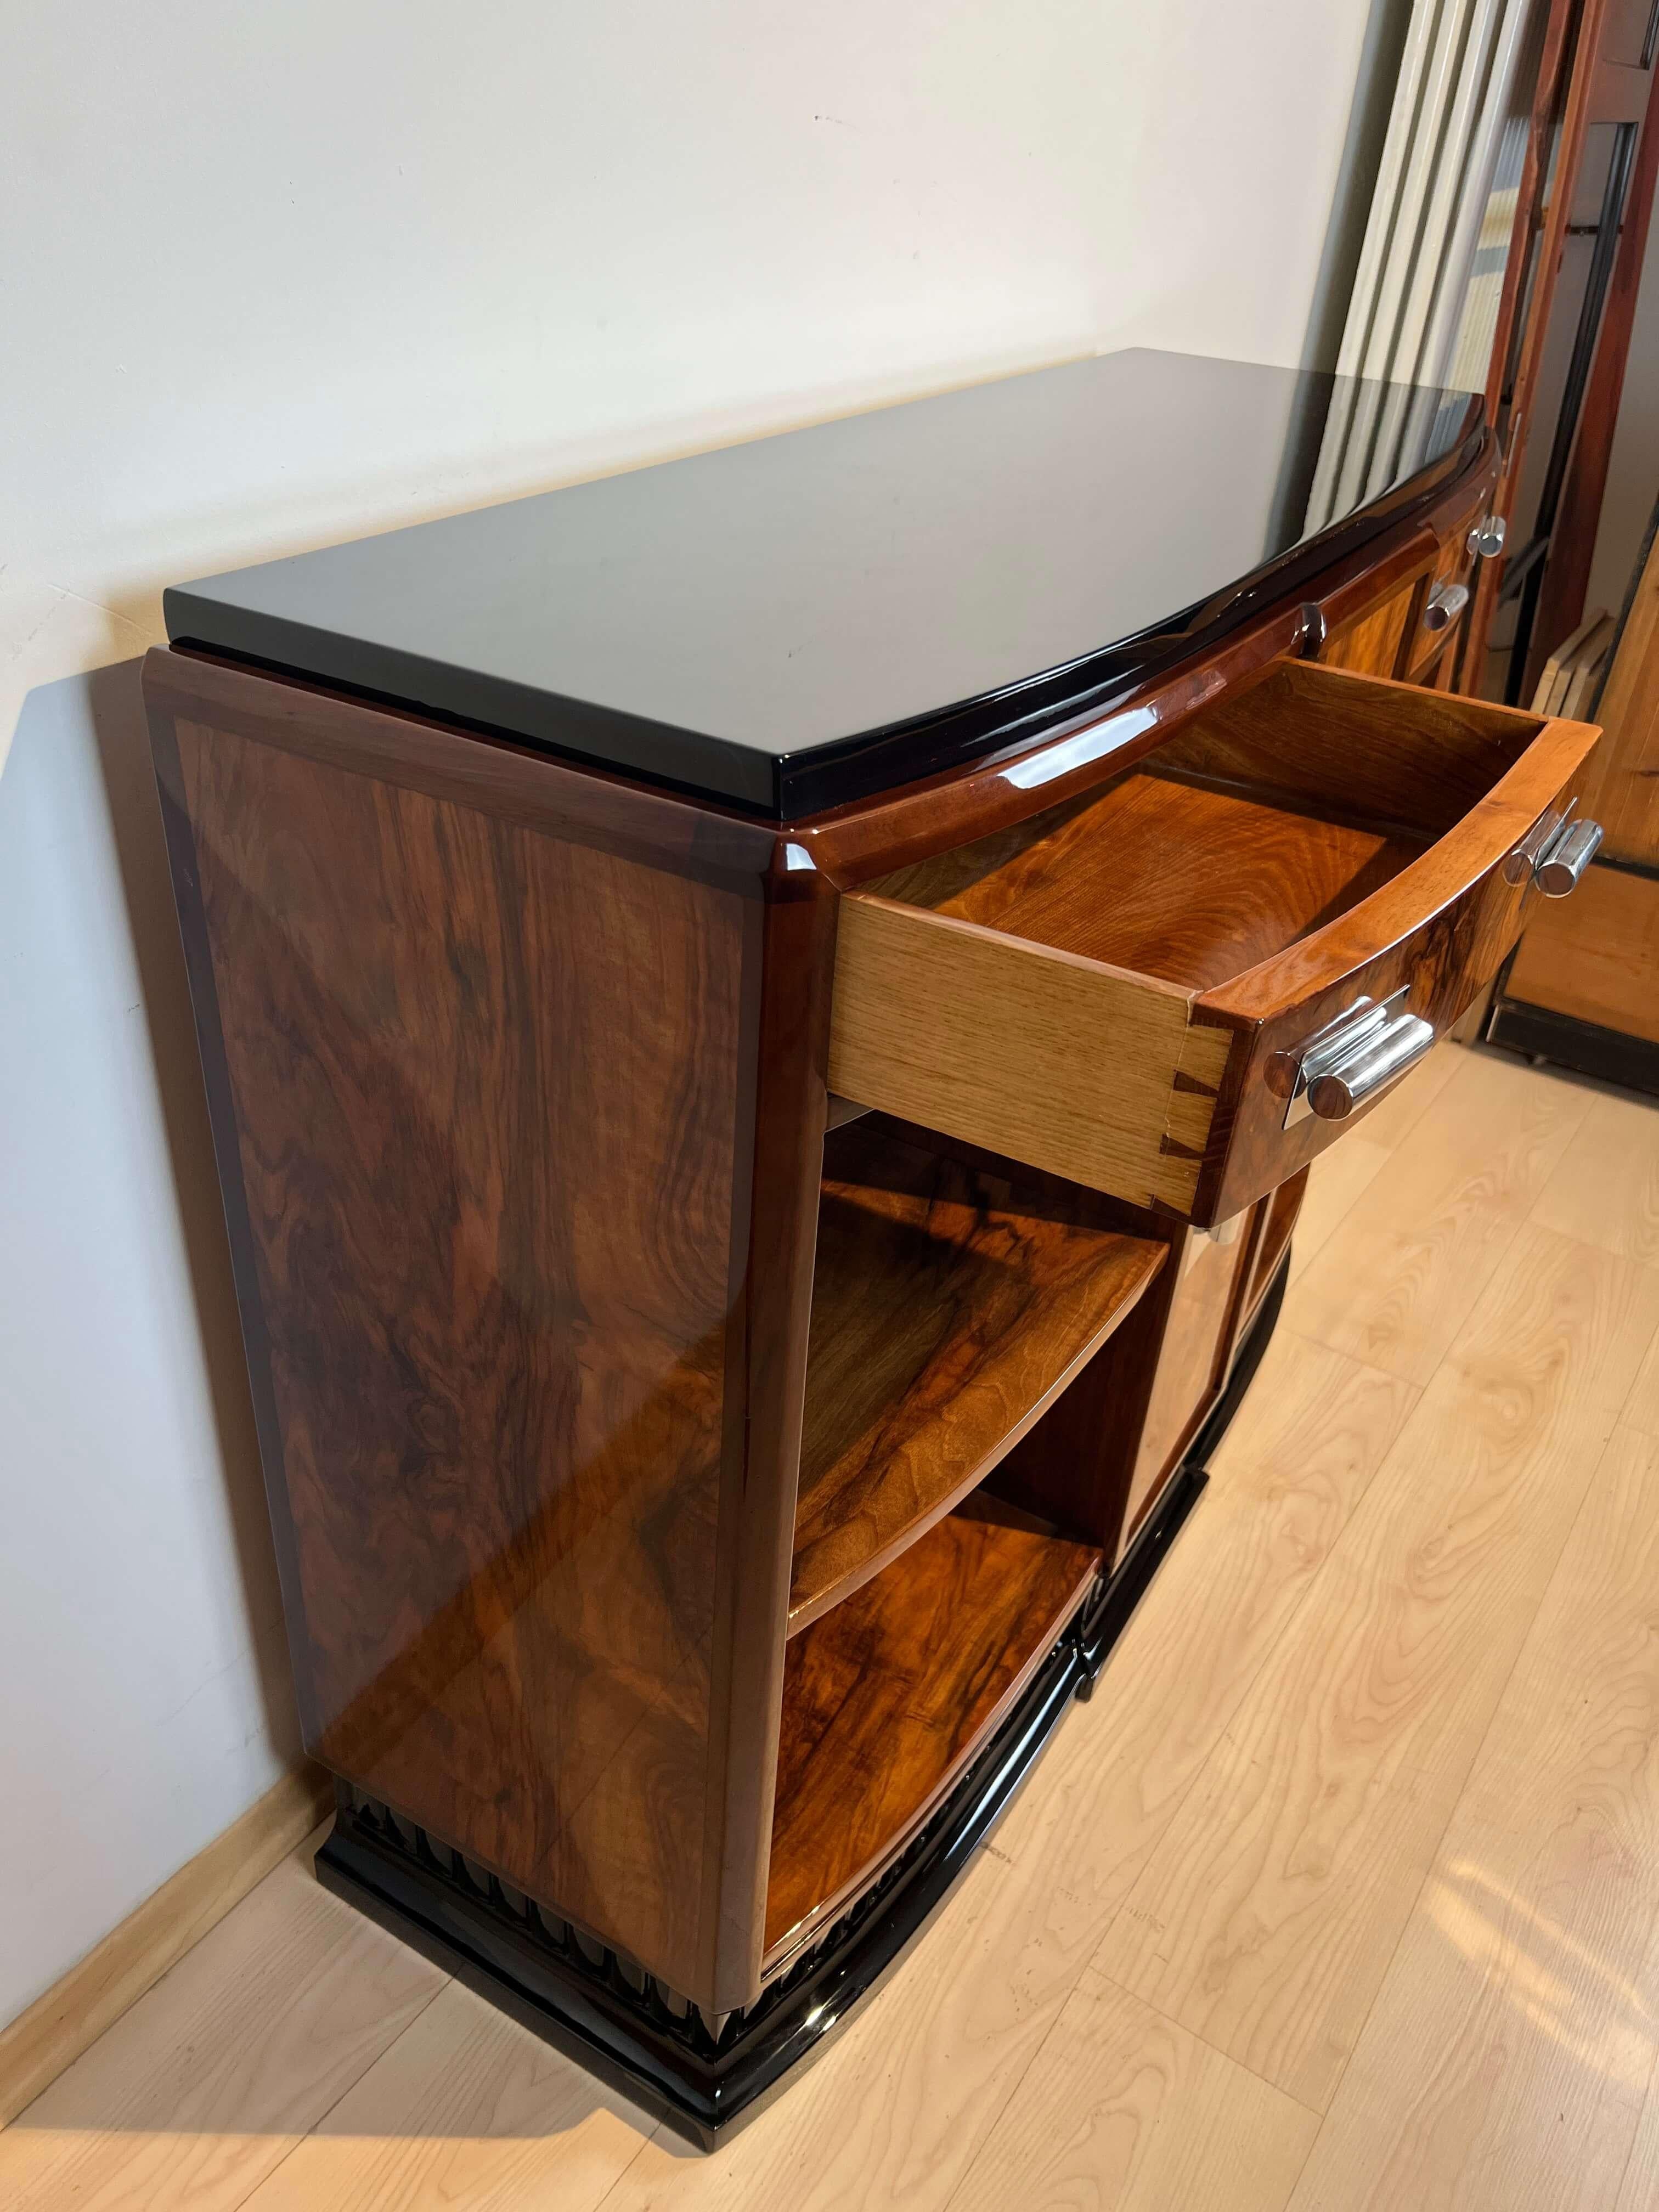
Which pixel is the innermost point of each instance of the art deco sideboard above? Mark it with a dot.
(765, 1022)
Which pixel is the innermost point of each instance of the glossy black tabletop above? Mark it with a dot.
(810, 617)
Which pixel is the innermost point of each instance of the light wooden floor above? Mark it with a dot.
(1343, 1892)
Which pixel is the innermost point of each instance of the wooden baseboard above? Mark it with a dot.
(58, 2027)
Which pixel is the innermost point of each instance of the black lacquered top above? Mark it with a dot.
(811, 617)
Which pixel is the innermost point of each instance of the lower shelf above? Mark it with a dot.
(706, 2078)
(886, 1697)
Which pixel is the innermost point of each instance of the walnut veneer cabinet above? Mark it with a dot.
(765, 1020)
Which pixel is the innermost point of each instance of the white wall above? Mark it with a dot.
(145, 1699)
(277, 276)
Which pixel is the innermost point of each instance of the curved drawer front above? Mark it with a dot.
(1123, 991)
(1430, 941)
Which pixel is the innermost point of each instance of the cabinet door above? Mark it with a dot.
(1192, 1360)
(1595, 956)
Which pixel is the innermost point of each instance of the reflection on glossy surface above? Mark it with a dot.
(1510, 2052)
(716, 618)
(1098, 742)
(482, 1084)
(1576, 1992)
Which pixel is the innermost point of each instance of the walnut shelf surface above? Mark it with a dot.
(886, 1697)
(948, 1309)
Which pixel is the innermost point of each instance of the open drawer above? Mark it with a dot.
(1121, 988)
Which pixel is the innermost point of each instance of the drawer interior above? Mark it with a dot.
(1259, 823)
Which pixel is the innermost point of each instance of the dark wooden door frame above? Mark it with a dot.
(1577, 87)
(1565, 580)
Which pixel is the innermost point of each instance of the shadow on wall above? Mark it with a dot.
(138, 1583)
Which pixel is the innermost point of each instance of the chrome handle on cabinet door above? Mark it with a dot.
(1446, 603)
(1565, 859)
(1486, 538)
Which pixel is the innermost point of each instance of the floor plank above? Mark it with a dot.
(1641, 1409)
(892, 2116)
(1606, 1188)
(1505, 2064)
(1267, 1917)
(466, 2109)
(1638, 2192)
(208, 2082)
(1343, 1171)
(1126, 2113)
(1335, 1184)
(1423, 1240)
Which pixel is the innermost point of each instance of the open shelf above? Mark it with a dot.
(948, 1309)
(886, 1697)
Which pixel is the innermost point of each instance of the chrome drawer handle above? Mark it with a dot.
(1524, 857)
(1334, 1094)
(1446, 603)
(1333, 1058)
(1565, 859)
(1486, 538)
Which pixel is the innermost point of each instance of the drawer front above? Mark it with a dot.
(1437, 933)
(1176, 1096)
(1372, 643)
(1431, 649)
(1440, 619)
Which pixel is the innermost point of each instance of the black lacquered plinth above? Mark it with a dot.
(706, 2078)
(1553, 1040)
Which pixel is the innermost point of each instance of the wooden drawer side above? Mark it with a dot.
(1032, 1053)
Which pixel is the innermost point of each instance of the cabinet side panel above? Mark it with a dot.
(484, 1083)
